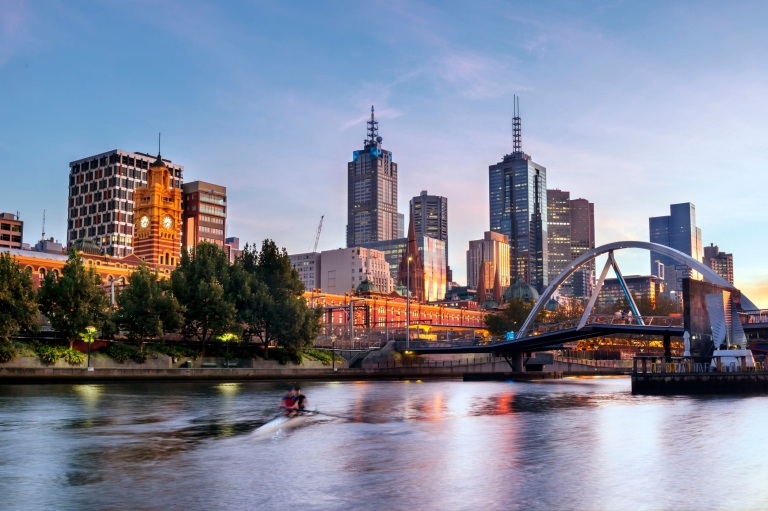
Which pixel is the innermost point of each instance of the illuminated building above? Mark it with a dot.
(720, 262)
(205, 214)
(344, 269)
(158, 214)
(493, 249)
(640, 286)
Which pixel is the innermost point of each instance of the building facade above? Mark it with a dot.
(232, 248)
(518, 209)
(494, 251)
(677, 230)
(371, 191)
(158, 213)
(308, 266)
(101, 198)
(582, 216)
(430, 218)
(344, 269)
(205, 214)
(640, 286)
(11, 231)
(720, 262)
(559, 237)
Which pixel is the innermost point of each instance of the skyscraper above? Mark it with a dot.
(430, 218)
(518, 209)
(720, 262)
(493, 252)
(101, 189)
(371, 191)
(582, 240)
(559, 236)
(677, 230)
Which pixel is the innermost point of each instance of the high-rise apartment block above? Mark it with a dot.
(493, 251)
(518, 209)
(642, 287)
(371, 191)
(205, 214)
(309, 267)
(582, 213)
(677, 230)
(344, 269)
(559, 236)
(11, 231)
(720, 262)
(101, 202)
(430, 218)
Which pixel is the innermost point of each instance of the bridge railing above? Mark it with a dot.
(662, 365)
(608, 319)
(751, 317)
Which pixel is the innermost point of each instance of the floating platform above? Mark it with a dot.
(663, 384)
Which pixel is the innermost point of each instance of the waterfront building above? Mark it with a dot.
(232, 248)
(430, 218)
(492, 251)
(344, 269)
(518, 209)
(559, 236)
(11, 231)
(371, 191)
(205, 214)
(677, 230)
(158, 212)
(720, 262)
(582, 216)
(308, 265)
(101, 197)
(640, 286)
(410, 273)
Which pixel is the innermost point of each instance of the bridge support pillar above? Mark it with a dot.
(517, 361)
(668, 346)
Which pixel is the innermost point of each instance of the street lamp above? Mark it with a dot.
(226, 338)
(408, 306)
(88, 337)
(112, 289)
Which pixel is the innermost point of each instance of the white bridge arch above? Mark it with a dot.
(706, 272)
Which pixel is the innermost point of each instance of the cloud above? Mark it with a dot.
(13, 28)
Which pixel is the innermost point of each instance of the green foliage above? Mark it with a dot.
(7, 352)
(146, 307)
(199, 285)
(48, 354)
(74, 300)
(284, 356)
(268, 295)
(322, 356)
(176, 351)
(122, 353)
(18, 306)
(511, 317)
(71, 356)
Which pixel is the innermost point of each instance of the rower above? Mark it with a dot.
(288, 403)
(301, 400)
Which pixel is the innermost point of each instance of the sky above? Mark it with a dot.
(632, 105)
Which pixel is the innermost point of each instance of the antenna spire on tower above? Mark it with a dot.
(43, 224)
(373, 129)
(517, 144)
(159, 135)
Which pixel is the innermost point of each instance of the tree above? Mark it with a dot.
(74, 300)
(18, 307)
(146, 307)
(199, 285)
(270, 301)
(511, 317)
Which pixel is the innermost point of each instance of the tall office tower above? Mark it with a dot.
(493, 251)
(559, 236)
(411, 270)
(430, 218)
(11, 231)
(582, 240)
(371, 191)
(400, 225)
(101, 189)
(518, 209)
(158, 213)
(205, 214)
(720, 262)
(677, 230)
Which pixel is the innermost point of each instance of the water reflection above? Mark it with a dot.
(572, 444)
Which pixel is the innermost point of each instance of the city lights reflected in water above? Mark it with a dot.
(566, 444)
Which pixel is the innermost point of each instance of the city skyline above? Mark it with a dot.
(635, 124)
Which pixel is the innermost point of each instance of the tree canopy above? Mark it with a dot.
(146, 307)
(18, 304)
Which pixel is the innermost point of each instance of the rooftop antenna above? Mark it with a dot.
(373, 129)
(517, 145)
(43, 224)
(158, 144)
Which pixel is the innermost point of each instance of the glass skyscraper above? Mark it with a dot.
(677, 230)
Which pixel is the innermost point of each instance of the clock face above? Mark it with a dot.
(167, 222)
(144, 222)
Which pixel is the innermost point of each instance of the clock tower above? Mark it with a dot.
(157, 211)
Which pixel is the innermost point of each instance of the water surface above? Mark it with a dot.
(569, 444)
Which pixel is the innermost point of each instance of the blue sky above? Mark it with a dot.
(631, 105)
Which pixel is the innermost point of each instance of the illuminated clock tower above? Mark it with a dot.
(157, 211)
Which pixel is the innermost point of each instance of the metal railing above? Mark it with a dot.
(694, 365)
(609, 319)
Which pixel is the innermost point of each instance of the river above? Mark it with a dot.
(567, 444)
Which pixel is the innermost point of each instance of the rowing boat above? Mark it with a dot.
(281, 423)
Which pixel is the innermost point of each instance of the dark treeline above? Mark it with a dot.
(258, 298)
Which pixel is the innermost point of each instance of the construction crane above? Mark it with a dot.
(317, 235)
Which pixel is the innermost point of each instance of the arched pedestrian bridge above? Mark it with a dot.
(532, 336)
